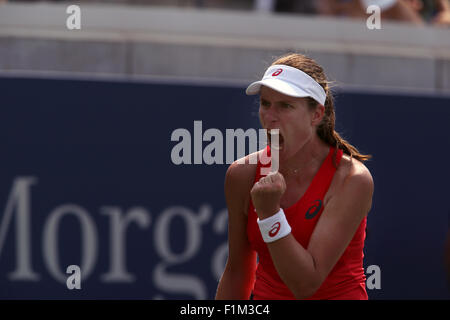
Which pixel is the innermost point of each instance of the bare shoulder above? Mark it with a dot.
(239, 181)
(242, 171)
(351, 173)
(354, 172)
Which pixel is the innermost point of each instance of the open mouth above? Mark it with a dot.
(272, 139)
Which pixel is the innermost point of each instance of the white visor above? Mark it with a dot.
(289, 81)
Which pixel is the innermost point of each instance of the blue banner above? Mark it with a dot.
(93, 175)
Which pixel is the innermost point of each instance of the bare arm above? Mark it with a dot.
(401, 11)
(443, 16)
(238, 277)
(303, 270)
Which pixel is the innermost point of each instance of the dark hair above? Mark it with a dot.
(326, 129)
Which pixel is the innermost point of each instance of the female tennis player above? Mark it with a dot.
(305, 222)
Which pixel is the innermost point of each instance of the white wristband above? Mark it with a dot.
(274, 227)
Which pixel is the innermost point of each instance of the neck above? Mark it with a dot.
(309, 157)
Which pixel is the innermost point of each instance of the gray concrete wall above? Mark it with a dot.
(217, 47)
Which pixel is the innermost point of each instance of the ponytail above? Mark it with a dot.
(326, 129)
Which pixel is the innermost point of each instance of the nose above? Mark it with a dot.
(268, 116)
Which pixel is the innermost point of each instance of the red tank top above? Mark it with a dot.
(346, 280)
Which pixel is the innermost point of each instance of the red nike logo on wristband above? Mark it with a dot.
(275, 228)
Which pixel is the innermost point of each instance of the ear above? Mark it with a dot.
(317, 115)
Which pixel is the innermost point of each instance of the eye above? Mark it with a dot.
(286, 105)
(265, 103)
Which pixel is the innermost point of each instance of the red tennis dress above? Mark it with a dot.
(346, 280)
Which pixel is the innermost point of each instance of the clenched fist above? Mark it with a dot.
(266, 194)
